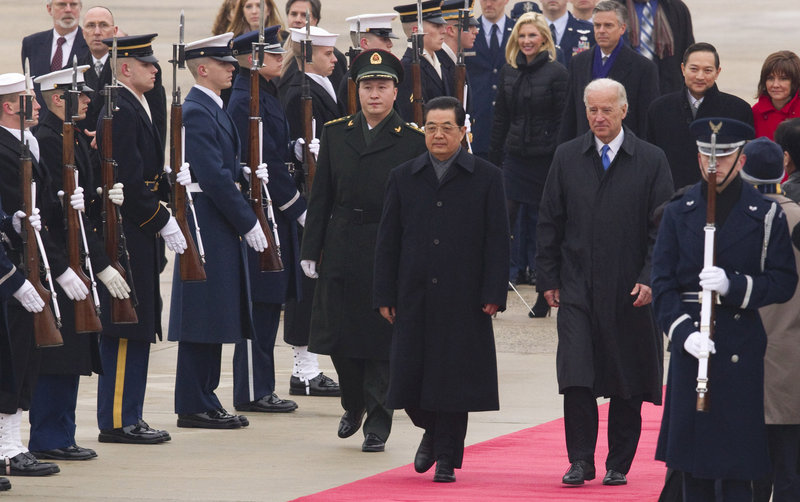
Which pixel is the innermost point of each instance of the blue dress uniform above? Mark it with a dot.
(212, 151)
(125, 348)
(753, 247)
(253, 360)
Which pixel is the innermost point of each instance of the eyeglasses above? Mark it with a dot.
(431, 128)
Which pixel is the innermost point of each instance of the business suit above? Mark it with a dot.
(433, 85)
(635, 72)
(578, 37)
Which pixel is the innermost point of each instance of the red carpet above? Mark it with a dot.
(526, 465)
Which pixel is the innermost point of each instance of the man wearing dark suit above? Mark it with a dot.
(669, 116)
(571, 35)
(610, 58)
(139, 153)
(54, 49)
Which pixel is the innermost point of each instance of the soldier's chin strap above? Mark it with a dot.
(725, 179)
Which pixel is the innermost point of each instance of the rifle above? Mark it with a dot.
(707, 309)
(309, 162)
(352, 54)
(122, 310)
(461, 67)
(418, 46)
(86, 313)
(45, 324)
(270, 258)
(191, 261)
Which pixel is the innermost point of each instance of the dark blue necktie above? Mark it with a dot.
(494, 45)
(553, 32)
(604, 157)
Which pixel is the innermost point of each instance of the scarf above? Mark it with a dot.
(663, 40)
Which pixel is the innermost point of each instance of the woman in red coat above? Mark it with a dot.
(777, 92)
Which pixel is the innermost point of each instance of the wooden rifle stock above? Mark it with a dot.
(86, 319)
(352, 96)
(45, 329)
(461, 80)
(309, 162)
(416, 77)
(269, 259)
(191, 265)
(122, 310)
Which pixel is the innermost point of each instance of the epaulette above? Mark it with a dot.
(414, 127)
(336, 121)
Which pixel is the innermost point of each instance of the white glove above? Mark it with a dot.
(76, 200)
(468, 123)
(693, 342)
(309, 268)
(313, 148)
(173, 236)
(256, 239)
(302, 219)
(115, 195)
(72, 285)
(715, 279)
(16, 221)
(29, 298)
(114, 282)
(262, 173)
(184, 176)
(246, 170)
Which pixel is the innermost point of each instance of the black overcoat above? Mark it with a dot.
(341, 228)
(443, 253)
(594, 241)
(668, 120)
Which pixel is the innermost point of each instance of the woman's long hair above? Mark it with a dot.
(239, 24)
(539, 22)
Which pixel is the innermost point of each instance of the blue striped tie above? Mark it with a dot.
(604, 157)
(646, 47)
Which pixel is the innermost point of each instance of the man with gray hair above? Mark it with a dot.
(594, 240)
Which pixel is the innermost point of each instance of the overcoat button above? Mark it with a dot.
(734, 358)
(436, 242)
(435, 280)
(736, 317)
(438, 203)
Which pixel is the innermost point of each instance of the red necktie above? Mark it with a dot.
(56, 64)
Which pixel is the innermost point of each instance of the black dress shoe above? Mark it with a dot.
(424, 460)
(320, 385)
(5, 484)
(139, 433)
(578, 472)
(214, 419)
(73, 452)
(444, 471)
(614, 478)
(372, 443)
(243, 420)
(26, 464)
(163, 434)
(350, 423)
(269, 404)
(540, 308)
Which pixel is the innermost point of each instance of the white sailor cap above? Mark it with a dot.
(377, 24)
(318, 36)
(11, 83)
(61, 79)
(216, 47)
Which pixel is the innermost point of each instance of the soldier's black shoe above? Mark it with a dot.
(372, 443)
(578, 472)
(320, 385)
(26, 464)
(73, 452)
(424, 460)
(614, 478)
(139, 433)
(163, 434)
(350, 423)
(444, 471)
(214, 419)
(269, 404)
(5, 484)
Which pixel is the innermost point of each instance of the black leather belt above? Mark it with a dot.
(356, 216)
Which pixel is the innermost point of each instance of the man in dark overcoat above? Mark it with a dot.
(356, 156)
(594, 240)
(725, 447)
(609, 58)
(148, 226)
(439, 283)
(227, 223)
(669, 116)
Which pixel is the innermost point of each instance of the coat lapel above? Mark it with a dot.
(622, 66)
(319, 94)
(394, 129)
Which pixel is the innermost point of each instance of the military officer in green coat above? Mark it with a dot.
(357, 153)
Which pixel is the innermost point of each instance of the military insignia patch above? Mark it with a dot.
(397, 129)
(376, 58)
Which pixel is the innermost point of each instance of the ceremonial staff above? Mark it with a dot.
(45, 324)
(122, 309)
(709, 296)
(270, 258)
(352, 54)
(191, 261)
(87, 311)
(309, 129)
(417, 47)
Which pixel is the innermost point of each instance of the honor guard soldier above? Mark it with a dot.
(725, 443)
(367, 31)
(324, 108)
(449, 56)
(52, 413)
(253, 360)
(571, 35)
(139, 155)
(355, 158)
(435, 80)
(16, 394)
(228, 225)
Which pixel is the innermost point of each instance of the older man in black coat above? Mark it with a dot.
(669, 116)
(439, 283)
(594, 240)
(613, 59)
